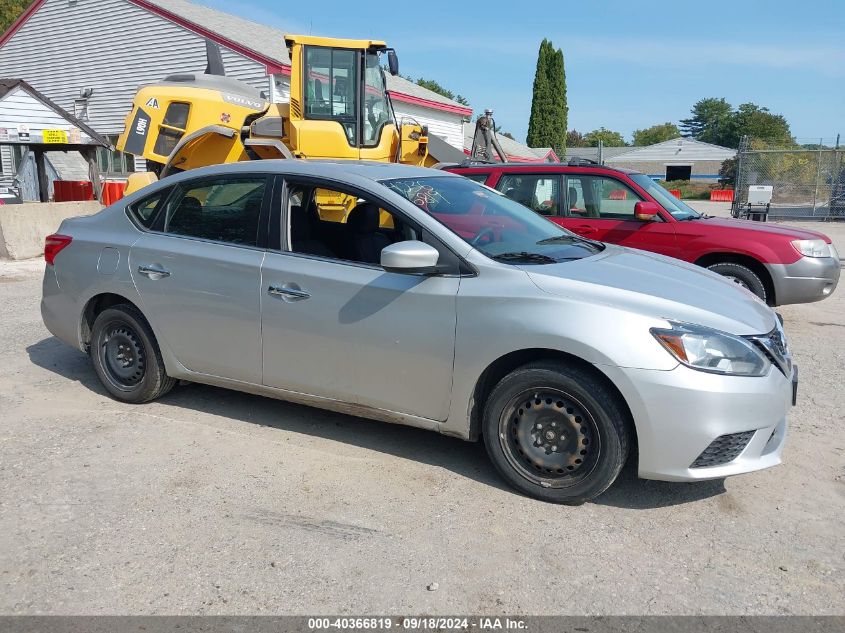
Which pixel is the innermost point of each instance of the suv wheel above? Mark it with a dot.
(126, 357)
(741, 275)
(555, 433)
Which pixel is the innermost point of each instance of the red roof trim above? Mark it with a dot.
(426, 103)
(214, 37)
(23, 17)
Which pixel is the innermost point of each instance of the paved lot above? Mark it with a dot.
(211, 501)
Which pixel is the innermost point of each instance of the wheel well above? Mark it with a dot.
(509, 362)
(745, 260)
(95, 305)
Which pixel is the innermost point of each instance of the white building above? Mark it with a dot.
(90, 57)
(675, 159)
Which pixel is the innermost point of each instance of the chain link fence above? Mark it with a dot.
(806, 183)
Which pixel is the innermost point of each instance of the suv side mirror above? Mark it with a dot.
(646, 211)
(410, 256)
(392, 62)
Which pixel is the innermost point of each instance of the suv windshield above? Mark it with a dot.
(678, 209)
(500, 228)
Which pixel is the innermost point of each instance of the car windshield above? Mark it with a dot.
(500, 228)
(673, 205)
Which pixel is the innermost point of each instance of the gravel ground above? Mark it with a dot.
(215, 502)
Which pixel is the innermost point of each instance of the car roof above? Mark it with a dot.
(547, 167)
(370, 170)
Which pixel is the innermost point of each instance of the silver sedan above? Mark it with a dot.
(418, 297)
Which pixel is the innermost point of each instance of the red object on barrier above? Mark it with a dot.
(112, 192)
(722, 195)
(676, 193)
(618, 194)
(72, 190)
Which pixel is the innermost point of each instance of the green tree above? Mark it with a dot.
(574, 138)
(711, 122)
(727, 172)
(10, 10)
(656, 134)
(609, 138)
(549, 112)
(435, 86)
(756, 122)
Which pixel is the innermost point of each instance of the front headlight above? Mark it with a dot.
(812, 248)
(713, 351)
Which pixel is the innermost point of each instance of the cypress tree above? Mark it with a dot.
(547, 126)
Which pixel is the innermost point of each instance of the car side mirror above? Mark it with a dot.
(392, 62)
(646, 211)
(410, 256)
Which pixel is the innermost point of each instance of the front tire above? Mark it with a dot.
(742, 276)
(126, 357)
(555, 432)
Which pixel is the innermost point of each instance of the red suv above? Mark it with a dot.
(777, 263)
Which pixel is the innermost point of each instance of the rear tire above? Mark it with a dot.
(126, 357)
(742, 276)
(555, 432)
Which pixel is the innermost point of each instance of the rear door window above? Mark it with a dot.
(538, 192)
(476, 177)
(219, 209)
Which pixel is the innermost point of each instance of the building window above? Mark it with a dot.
(114, 162)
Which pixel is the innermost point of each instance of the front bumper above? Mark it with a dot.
(680, 413)
(807, 280)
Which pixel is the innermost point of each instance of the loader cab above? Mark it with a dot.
(339, 105)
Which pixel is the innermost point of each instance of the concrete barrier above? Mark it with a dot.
(23, 227)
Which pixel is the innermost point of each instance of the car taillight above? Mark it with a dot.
(53, 244)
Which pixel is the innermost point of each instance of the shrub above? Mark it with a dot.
(690, 189)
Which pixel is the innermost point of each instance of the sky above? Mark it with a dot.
(629, 65)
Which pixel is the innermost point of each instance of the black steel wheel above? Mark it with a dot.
(122, 355)
(557, 432)
(126, 357)
(549, 437)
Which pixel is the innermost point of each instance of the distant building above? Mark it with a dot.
(91, 56)
(676, 159)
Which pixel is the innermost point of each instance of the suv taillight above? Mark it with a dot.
(53, 244)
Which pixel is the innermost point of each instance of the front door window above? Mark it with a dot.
(600, 197)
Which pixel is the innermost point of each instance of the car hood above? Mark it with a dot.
(790, 232)
(656, 286)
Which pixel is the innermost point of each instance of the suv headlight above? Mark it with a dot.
(812, 248)
(712, 351)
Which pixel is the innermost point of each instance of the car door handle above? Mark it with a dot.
(288, 292)
(153, 271)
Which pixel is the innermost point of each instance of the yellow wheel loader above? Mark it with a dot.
(339, 108)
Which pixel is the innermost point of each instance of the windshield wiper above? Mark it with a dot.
(524, 256)
(558, 238)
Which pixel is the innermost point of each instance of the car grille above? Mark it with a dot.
(775, 347)
(723, 449)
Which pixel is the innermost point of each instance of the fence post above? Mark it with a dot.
(818, 175)
(743, 142)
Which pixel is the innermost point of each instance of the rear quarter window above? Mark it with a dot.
(144, 211)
